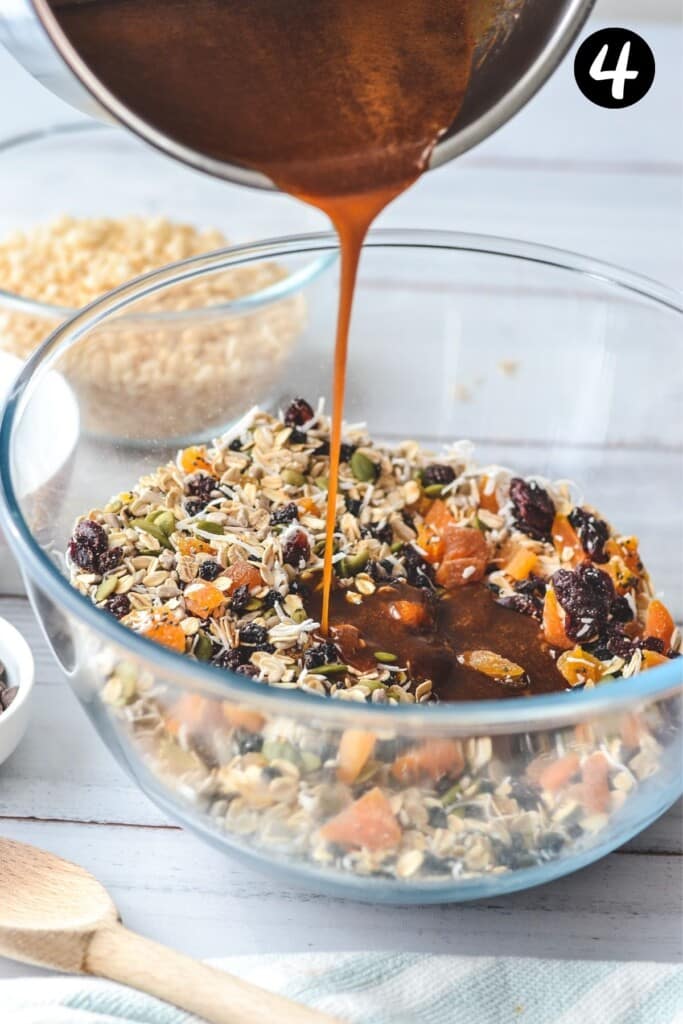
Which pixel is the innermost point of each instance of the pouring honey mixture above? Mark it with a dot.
(387, 571)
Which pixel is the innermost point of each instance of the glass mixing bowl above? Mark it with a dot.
(550, 363)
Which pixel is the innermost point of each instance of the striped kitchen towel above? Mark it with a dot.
(390, 988)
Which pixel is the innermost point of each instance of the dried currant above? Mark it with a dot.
(586, 595)
(298, 436)
(621, 610)
(298, 412)
(533, 508)
(592, 532)
(419, 573)
(653, 643)
(110, 559)
(118, 605)
(235, 445)
(323, 448)
(296, 549)
(380, 531)
(346, 451)
(437, 474)
(525, 604)
(272, 598)
(201, 486)
(324, 653)
(531, 585)
(209, 570)
(232, 658)
(193, 506)
(240, 599)
(284, 514)
(254, 635)
(353, 505)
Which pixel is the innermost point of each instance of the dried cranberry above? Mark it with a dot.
(118, 605)
(617, 643)
(593, 533)
(653, 643)
(240, 599)
(324, 653)
(532, 585)
(533, 508)
(346, 451)
(525, 604)
(296, 549)
(437, 474)
(621, 610)
(232, 658)
(253, 635)
(201, 486)
(297, 587)
(89, 534)
(298, 436)
(587, 595)
(298, 412)
(84, 557)
(110, 559)
(381, 532)
(284, 514)
(419, 572)
(209, 570)
(272, 598)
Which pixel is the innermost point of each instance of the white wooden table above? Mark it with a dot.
(564, 173)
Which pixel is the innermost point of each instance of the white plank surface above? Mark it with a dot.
(563, 173)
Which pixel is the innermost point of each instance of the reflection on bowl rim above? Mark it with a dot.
(235, 307)
(460, 718)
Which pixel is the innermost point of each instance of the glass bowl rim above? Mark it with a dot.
(49, 311)
(494, 715)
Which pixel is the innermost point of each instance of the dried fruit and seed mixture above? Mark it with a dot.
(452, 582)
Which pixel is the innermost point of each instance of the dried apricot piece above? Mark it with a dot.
(243, 718)
(651, 659)
(439, 517)
(489, 502)
(194, 458)
(521, 565)
(466, 556)
(410, 613)
(168, 634)
(553, 623)
(578, 666)
(659, 623)
(565, 536)
(369, 822)
(244, 574)
(203, 599)
(194, 546)
(355, 749)
(431, 543)
(553, 775)
(432, 759)
(594, 788)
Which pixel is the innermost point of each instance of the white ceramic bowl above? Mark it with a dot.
(16, 656)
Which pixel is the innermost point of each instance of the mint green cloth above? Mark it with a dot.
(390, 988)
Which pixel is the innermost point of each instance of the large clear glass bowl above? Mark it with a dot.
(550, 363)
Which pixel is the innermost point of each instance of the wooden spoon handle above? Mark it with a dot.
(219, 998)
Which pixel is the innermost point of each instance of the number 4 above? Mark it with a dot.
(620, 74)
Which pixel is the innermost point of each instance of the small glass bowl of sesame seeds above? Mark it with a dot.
(498, 395)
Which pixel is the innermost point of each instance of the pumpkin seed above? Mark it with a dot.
(106, 587)
(451, 795)
(434, 490)
(328, 670)
(150, 527)
(353, 564)
(322, 482)
(279, 750)
(299, 616)
(363, 468)
(310, 762)
(203, 647)
(385, 657)
(208, 526)
(166, 522)
(293, 478)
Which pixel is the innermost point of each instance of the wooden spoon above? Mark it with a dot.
(55, 914)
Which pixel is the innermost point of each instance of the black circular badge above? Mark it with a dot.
(614, 68)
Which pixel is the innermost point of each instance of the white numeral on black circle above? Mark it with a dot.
(619, 75)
